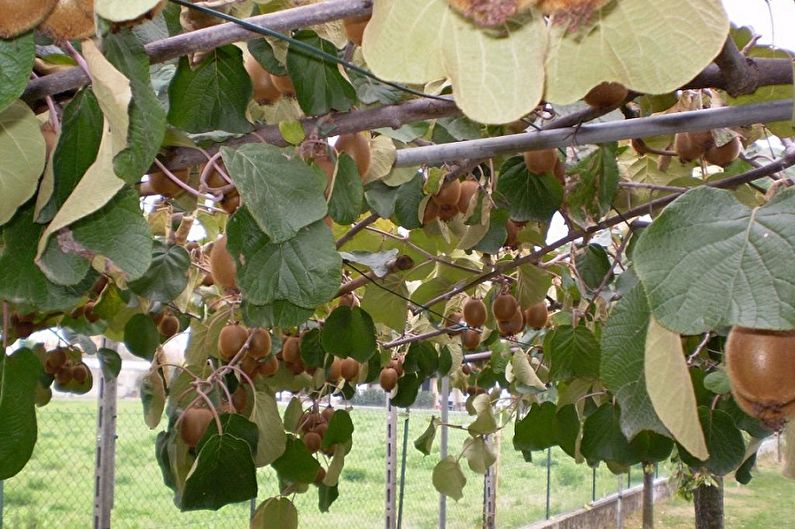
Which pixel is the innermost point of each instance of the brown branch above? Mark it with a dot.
(400, 264)
(740, 73)
(455, 329)
(787, 160)
(359, 226)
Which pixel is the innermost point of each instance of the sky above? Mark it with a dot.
(757, 14)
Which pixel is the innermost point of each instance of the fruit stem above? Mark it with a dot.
(81, 62)
(179, 182)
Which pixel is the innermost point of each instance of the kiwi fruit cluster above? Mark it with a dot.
(690, 146)
(68, 371)
(354, 28)
(264, 90)
(453, 197)
(388, 378)
(345, 368)
(70, 20)
(257, 358)
(761, 369)
(313, 426)
(510, 317)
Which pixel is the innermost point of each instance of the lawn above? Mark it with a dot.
(55, 489)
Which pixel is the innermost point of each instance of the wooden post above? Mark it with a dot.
(391, 467)
(105, 471)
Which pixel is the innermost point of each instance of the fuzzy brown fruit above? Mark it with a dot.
(354, 28)
(761, 369)
(54, 361)
(431, 212)
(335, 371)
(17, 17)
(263, 89)
(397, 365)
(349, 299)
(448, 194)
(268, 367)
(469, 189)
(512, 239)
(512, 326)
(540, 162)
(165, 186)
(193, 425)
(71, 19)
(168, 326)
(725, 154)
(283, 84)
(504, 307)
(606, 95)
(230, 202)
(690, 146)
(536, 315)
(349, 369)
(260, 344)
(357, 146)
(319, 476)
(388, 379)
(447, 211)
(80, 373)
(327, 412)
(470, 339)
(312, 442)
(231, 339)
(475, 312)
(239, 399)
(222, 266)
(291, 349)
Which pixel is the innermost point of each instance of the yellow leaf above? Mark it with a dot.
(23, 154)
(671, 390)
(113, 93)
(382, 157)
(122, 10)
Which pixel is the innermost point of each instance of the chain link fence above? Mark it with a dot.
(57, 487)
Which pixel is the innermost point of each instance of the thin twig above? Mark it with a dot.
(359, 226)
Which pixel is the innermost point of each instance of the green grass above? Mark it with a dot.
(55, 488)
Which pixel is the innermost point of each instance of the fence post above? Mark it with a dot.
(391, 456)
(2, 504)
(593, 484)
(444, 399)
(490, 490)
(549, 467)
(619, 503)
(104, 473)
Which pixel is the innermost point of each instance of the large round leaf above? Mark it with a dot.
(349, 332)
(19, 373)
(22, 152)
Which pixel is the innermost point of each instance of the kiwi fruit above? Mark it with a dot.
(357, 146)
(388, 379)
(264, 91)
(268, 367)
(431, 212)
(349, 369)
(327, 412)
(54, 361)
(230, 202)
(312, 442)
(397, 365)
(283, 84)
(291, 349)
(88, 312)
(260, 344)
(239, 399)
(468, 190)
(536, 315)
(447, 211)
(512, 239)
(63, 376)
(475, 312)
(605, 95)
(335, 370)
(725, 154)
(165, 186)
(354, 28)
(80, 373)
(540, 162)
(560, 172)
(193, 425)
(470, 339)
(192, 19)
(349, 299)
(319, 476)
(222, 266)
(18, 17)
(70, 20)
(231, 340)
(504, 307)
(168, 326)
(761, 369)
(448, 194)
(249, 365)
(690, 146)
(512, 326)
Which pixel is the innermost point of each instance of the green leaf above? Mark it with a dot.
(612, 50)
(592, 265)
(117, 232)
(167, 275)
(717, 382)
(262, 50)
(16, 64)
(651, 447)
(347, 197)
(335, 466)
(296, 464)
(596, 185)
(479, 454)
(602, 439)
(275, 513)
(123, 10)
(723, 440)
(424, 443)
(407, 206)
(665, 368)
(280, 313)
(349, 332)
(622, 371)
(211, 96)
(153, 397)
(422, 359)
(312, 352)
(319, 84)
(292, 415)
(340, 429)
(384, 306)
(485, 422)
(304, 270)
(524, 374)
(528, 197)
(292, 131)
(272, 439)
(141, 336)
(532, 286)
(326, 496)
(147, 117)
(538, 430)
(23, 153)
(448, 478)
(19, 373)
(78, 144)
(110, 361)
(234, 425)
(572, 352)
(700, 262)
(282, 194)
(407, 389)
(496, 235)
(21, 281)
(223, 473)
